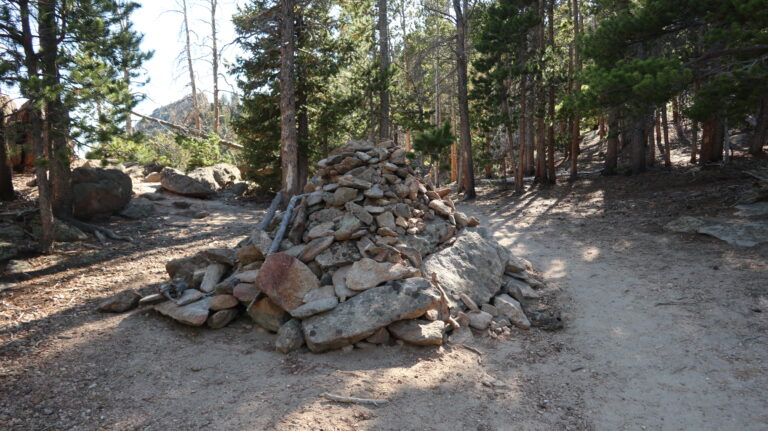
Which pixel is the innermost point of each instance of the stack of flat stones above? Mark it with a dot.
(371, 255)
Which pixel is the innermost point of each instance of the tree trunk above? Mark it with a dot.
(6, 174)
(489, 162)
(665, 130)
(612, 145)
(215, 64)
(128, 117)
(637, 143)
(712, 141)
(694, 140)
(468, 180)
(60, 176)
(288, 133)
(675, 111)
(659, 143)
(521, 135)
(506, 109)
(384, 71)
(188, 51)
(576, 127)
(761, 130)
(551, 174)
(648, 130)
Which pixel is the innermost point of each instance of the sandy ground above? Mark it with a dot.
(663, 331)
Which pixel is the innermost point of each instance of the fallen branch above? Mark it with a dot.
(353, 400)
(284, 224)
(272, 210)
(188, 131)
(98, 231)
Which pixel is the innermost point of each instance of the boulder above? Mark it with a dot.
(99, 192)
(286, 280)
(245, 292)
(176, 182)
(418, 332)
(441, 207)
(359, 317)
(367, 273)
(194, 314)
(473, 265)
(224, 174)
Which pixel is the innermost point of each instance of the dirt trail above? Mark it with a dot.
(661, 334)
(665, 332)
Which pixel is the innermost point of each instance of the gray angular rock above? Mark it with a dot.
(418, 332)
(176, 182)
(359, 212)
(348, 225)
(441, 207)
(359, 317)
(314, 307)
(512, 310)
(473, 265)
(479, 319)
(289, 337)
(386, 219)
(367, 273)
(338, 254)
(343, 195)
(314, 248)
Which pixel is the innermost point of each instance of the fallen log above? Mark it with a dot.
(187, 131)
(353, 400)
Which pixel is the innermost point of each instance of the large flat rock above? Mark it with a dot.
(194, 314)
(473, 265)
(360, 316)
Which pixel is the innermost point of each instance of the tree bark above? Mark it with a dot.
(36, 129)
(302, 115)
(6, 175)
(761, 130)
(215, 65)
(551, 174)
(712, 141)
(637, 143)
(288, 133)
(576, 127)
(188, 51)
(521, 134)
(694, 140)
(384, 71)
(468, 180)
(612, 145)
(55, 124)
(665, 130)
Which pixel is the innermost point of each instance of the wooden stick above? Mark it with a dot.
(271, 210)
(284, 224)
(353, 400)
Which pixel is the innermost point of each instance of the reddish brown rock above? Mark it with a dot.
(286, 280)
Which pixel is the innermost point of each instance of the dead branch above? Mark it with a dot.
(284, 223)
(353, 400)
(187, 131)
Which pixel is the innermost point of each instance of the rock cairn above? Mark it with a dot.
(367, 254)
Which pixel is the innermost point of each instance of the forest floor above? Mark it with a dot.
(663, 331)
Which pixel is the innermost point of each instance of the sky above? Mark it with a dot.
(169, 79)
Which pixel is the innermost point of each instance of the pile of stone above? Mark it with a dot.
(370, 253)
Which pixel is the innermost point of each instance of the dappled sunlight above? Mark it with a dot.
(555, 269)
(589, 254)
